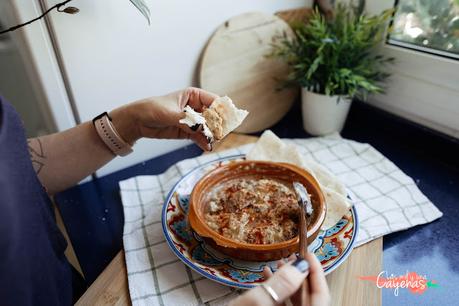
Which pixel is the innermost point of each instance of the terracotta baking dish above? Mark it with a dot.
(246, 251)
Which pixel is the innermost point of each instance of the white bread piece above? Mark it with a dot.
(271, 148)
(193, 118)
(337, 207)
(218, 120)
(231, 116)
(325, 177)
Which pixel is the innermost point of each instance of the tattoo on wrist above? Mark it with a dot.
(37, 154)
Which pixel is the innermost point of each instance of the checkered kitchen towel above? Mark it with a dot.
(386, 200)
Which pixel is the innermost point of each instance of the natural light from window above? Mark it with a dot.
(427, 25)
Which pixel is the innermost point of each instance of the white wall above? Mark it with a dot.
(113, 57)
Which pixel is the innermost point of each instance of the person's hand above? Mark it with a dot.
(286, 281)
(158, 117)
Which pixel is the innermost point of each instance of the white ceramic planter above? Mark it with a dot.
(323, 114)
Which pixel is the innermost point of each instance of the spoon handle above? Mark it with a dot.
(303, 200)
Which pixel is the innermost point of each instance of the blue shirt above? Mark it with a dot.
(33, 267)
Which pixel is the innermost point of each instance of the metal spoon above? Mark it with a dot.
(305, 209)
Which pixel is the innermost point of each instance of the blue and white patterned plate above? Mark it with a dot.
(331, 246)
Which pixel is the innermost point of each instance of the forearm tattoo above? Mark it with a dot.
(37, 154)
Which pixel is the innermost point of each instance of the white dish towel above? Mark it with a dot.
(386, 199)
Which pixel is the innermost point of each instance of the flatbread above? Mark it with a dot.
(218, 120)
(271, 148)
(193, 118)
(223, 117)
(326, 178)
(337, 207)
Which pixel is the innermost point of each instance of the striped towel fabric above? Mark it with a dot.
(386, 199)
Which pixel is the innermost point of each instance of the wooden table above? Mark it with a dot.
(111, 287)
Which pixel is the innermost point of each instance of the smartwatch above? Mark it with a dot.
(112, 139)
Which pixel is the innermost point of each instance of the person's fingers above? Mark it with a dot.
(295, 299)
(286, 281)
(317, 282)
(157, 112)
(267, 272)
(183, 98)
(201, 140)
(197, 136)
(188, 129)
(170, 132)
(283, 261)
(173, 132)
(317, 276)
(173, 117)
(196, 98)
(168, 110)
(201, 96)
(280, 263)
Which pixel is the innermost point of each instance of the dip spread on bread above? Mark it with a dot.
(253, 210)
(217, 120)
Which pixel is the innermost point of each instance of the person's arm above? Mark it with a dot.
(63, 159)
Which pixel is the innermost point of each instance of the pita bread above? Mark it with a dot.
(223, 117)
(193, 118)
(326, 178)
(218, 120)
(271, 148)
(337, 206)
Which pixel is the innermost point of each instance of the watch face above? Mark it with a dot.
(100, 116)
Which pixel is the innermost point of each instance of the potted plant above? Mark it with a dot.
(334, 61)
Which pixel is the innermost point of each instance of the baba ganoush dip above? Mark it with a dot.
(253, 210)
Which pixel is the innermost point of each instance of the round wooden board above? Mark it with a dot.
(235, 64)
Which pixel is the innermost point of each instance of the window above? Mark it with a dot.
(424, 82)
(427, 25)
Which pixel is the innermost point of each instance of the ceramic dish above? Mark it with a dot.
(331, 246)
(253, 170)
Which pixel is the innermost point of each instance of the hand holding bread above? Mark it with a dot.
(217, 120)
(192, 113)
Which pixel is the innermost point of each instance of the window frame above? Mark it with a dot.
(430, 80)
(412, 46)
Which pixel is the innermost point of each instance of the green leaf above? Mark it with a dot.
(337, 57)
(313, 67)
(143, 8)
